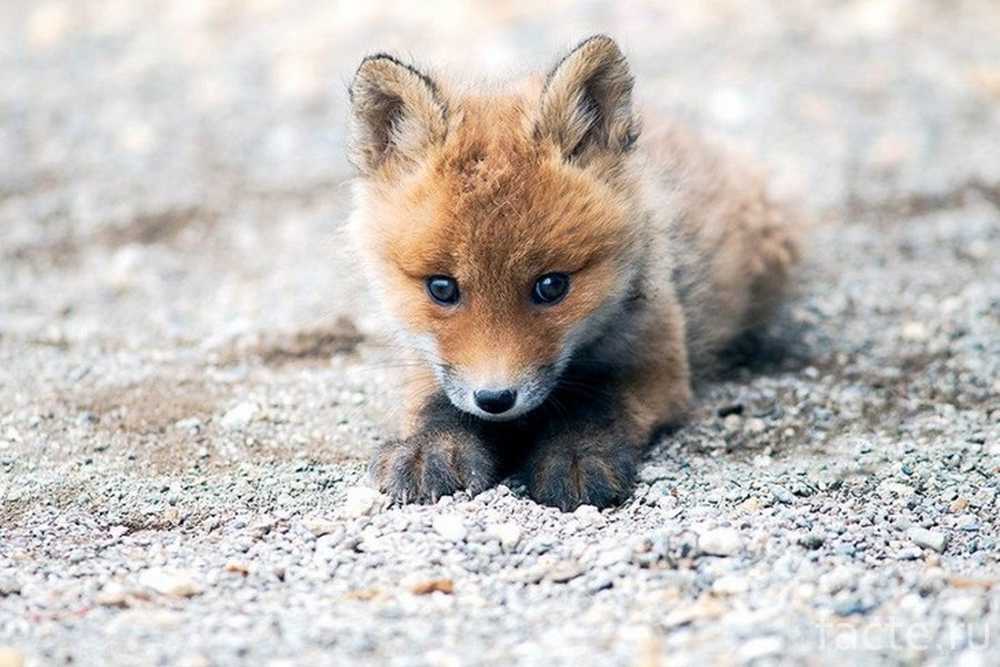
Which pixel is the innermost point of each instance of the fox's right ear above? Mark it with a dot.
(397, 112)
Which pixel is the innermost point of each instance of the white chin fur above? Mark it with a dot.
(519, 410)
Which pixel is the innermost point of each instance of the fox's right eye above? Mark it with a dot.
(443, 289)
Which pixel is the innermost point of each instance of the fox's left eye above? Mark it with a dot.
(443, 289)
(550, 288)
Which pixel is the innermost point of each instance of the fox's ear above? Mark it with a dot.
(586, 105)
(396, 112)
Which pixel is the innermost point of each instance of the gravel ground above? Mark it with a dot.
(190, 380)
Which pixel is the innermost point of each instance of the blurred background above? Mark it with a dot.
(181, 164)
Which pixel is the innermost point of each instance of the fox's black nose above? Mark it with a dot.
(495, 401)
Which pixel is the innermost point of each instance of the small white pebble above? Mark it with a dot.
(914, 331)
(509, 534)
(318, 526)
(731, 584)
(760, 647)
(968, 606)
(928, 539)
(113, 594)
(589, 515)
(240, 416)
(363, 501)
(177, 583)
(11, 657)
(720, 542)
(450, 527)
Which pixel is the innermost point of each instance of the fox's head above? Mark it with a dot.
(499, 228)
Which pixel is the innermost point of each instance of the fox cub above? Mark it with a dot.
(554, 279)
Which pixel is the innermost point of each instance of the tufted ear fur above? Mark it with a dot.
(586, 104)
(397, 113)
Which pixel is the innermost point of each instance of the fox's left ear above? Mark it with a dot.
(397, 113)
(586, 105)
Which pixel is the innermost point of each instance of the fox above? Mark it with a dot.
(555, 285)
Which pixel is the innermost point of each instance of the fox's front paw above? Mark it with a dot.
(566, 473)
(428, 465)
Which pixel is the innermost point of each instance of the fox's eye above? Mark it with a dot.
(443, 289)
(550, 288)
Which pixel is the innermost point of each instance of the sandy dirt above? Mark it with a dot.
(191, 378)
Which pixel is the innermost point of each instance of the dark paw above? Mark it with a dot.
(427, 466)
(565, 478)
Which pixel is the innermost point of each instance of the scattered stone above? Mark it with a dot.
(113, 594)
(446, 586)
(839, 579)
(782, 495)
(237, 567)
(589, 515)
(666, 502)
(811, 540)
(731, 585)
(198, 660)
(852, 605)
(319, 526)
(527, 575)
(914, 331)
(967, 606)
(450, 527)
(564, 571)
(652, 472)
(11, 657)
(9, 586)
(240, 416)
(928, 539)
(720, 542)
(509, 534)
(802, 489)
(192, 424)
(891, 488)
(751, 505)
(967, 522)
(600, 582)
(760, 647)
(972, 582)
(330, 541)
(614, 556)
(704, 608)
(732, 409)
(85, 418)
(177, 583)
(974, 657)
(363, 501)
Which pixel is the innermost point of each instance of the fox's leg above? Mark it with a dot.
(590, 456)
(440, 452)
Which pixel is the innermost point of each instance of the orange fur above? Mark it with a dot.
(671, 250)
(496, 210)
